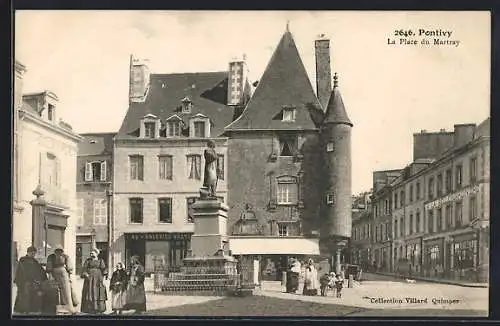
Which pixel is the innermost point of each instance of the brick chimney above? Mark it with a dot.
(237, 77)
(139, 79)
(463, 133)
(323, 70)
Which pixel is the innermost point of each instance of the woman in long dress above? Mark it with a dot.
(59, 267)
(118, 288)
(310, 279)
(94, 294)
(136, 294)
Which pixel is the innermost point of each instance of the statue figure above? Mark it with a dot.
(210, 175)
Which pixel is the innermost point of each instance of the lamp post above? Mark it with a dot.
(109, 195)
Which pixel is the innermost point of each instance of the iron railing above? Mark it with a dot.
(201, 281)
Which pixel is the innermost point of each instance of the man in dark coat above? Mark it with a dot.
(29, 277)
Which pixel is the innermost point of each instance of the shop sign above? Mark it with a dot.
(452, 197)
(161, 236)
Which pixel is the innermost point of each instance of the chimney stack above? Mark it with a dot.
(237, 77)
(323, 70)
(139, 79)
(463, 133)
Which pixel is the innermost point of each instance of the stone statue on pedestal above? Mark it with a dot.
(210, 175)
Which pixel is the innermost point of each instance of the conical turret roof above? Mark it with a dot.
(335, 110)
(284, 84)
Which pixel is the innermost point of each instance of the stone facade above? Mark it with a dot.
(151, 188)
(438, 207)
(46, 157)
(94, 194)
(257, 185)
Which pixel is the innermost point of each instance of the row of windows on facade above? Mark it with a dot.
(461, 254)
(165, 167)
(443, 222)
(435, 188)
(174, 129)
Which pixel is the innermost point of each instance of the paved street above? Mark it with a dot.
(384, 293)
(363, 300)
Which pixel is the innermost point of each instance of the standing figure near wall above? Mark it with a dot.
(210, 172)
(29, 278)
(136, 293)
(94, 294)
(60, 269)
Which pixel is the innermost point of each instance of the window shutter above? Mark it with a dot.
(103, 171)
(88, 171)
(141, 168)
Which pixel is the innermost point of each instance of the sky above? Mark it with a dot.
(390, 90)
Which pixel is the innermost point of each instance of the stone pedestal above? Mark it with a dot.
(39, 224)
(210, 227)
(209, 269)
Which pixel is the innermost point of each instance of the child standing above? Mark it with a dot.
(118, 286)
(339, 284)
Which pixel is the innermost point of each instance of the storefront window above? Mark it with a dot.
(458, 213)
(464, 254)
(435, 257)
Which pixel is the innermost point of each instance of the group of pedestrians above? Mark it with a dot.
(311, 282)
(49, 290)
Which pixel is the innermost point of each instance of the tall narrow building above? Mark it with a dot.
(337, 202)
(273, 162)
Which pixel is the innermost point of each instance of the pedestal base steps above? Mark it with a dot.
(205, 276)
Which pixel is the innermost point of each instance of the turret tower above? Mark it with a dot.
(337, 201)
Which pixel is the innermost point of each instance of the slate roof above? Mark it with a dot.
(335, 110)
(96, 144)
(284, 83)
(206, 90)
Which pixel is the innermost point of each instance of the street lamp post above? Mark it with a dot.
(109, 195)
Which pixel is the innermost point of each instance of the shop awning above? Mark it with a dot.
(273, 246)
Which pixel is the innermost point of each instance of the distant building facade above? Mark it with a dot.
(360, 244)
(439, 213)
(158, 158)
(44, 164)
(94, 195)
(382, 234)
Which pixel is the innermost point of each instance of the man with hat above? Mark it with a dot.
(29, 277)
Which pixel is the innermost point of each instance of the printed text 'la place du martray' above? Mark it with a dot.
(423, 37)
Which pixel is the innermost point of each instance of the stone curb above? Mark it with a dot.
(431, 280)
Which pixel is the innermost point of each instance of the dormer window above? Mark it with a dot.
(186, 105)
(173, 129)
(149, 129)
(199, 126)
(50, 112)
(288, 114)
(199, 129)
(150, 126)
(174, 126)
